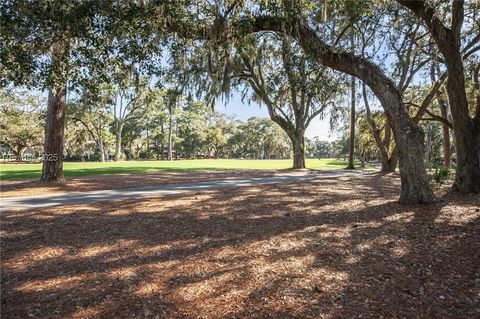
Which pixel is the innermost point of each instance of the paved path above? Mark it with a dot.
(72, 198)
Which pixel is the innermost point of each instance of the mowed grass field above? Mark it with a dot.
(30, 171)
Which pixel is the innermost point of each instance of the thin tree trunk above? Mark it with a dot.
(389, 161)
(447, 152)
(52, 169)
(102, 150)
(118, 142)
(170, 139)
(100, 144)
(428, 151)
(175, 146)
(148, 145)
(162, 146)
(18, 153)
(351, 148)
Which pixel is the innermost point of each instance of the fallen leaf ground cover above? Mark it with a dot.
(341, 248)
(13, 188)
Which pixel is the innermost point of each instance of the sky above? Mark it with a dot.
(243, 111)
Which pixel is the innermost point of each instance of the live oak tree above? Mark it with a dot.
(382, 137)
(289, 18)
(259, 138)
(93, 116)
(20, 121)
(127, 92)
(220, 23)
(235, 20)
(416, 188)
(294, 88)
(397, 39)
(217, 134)
(36, 42)
(446, 30)
(32, 32)
(193, 128)
(49, 44)
(409, 137)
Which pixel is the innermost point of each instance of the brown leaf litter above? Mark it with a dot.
(342, 248)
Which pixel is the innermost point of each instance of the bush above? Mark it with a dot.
(441, 175)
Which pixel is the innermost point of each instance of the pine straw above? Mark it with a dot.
(332, 249)
(13, 188)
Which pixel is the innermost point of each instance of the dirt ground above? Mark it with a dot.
(328, 249)
(13, 188)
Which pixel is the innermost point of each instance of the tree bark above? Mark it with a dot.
(408, 136)
(466, 133)
(175, 146)
(447, 153)
(101, 146)
(52, 169)
(170, 139)
(18, 152)
(362, 159)
(162, 146)
(118, 142)
(148, 145)
(298, 143)
(351, 149)
(389, 163)
(102, 152)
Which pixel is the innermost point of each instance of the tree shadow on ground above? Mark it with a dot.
(118, 180)
(331, 249)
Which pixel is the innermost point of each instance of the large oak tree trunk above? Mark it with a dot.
(466, 134)
(298, 143)
(389, 163)
(52, 169)
(408, 136)
(466, 130)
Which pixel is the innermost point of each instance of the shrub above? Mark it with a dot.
(441, 175)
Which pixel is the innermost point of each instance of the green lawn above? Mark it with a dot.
(30, 171)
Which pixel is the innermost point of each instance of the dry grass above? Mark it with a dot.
(331, 249)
